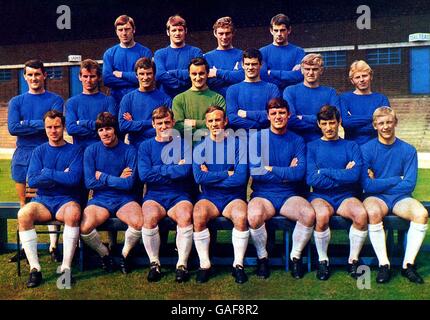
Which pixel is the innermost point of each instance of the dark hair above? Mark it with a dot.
(162, 112)
(52, 114)
(145, 63)
(328, 112)
(280, 19)
(90, 64)
(107, 119)
(211, 109)
(199, 62)
(277, 103)
(34, 64)
(124, 19)
(252, 53)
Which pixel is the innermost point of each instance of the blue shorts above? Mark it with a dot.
(276, 200)
(110, 204)
(390, 201)
(220, 203)
(335, 202)
(20, 162)
(167, 201)
(53, 203)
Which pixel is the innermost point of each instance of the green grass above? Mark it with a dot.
(94, 284)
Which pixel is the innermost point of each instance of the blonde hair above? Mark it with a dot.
(224, 22)
(359, 66)
(384, 111)
(313, 59)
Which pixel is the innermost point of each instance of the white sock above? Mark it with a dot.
(53, 237)
(356, 241)
(29, 243)
(301, 236)
(184, 243)
(322, 239)
(416, 234)
(377, 238)
(202, 240)
(70, 240)
(240, 243)
(132, 236)
(151, 241)
(259, 238)
(93, 240)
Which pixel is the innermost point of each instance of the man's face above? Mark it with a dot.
(385, 125)
(280, 34)
(54, 129)
(107, 136)
(125, 33)
(35, 79)
(177, 35)
(278, 118)
(198, 76)
(90, 80)
(252, 67)
(146, 78)
(311, 73)
(224, 37)
(362, 80)
(215, 122)
(163, 127)
(329, 128)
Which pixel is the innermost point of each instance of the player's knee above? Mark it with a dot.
(421, 216)
(85, 228)
(374, 214)
(184, 218)
(359, 218)
(308, 218)
(25, 215)
(240, 220)
(255, 216)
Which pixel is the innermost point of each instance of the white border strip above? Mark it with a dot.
(393, 45)
(336, 48)
(47, 65)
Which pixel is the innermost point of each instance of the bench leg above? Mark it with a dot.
(81, 255)
(3, 233)
(287, 236)
(18, 254)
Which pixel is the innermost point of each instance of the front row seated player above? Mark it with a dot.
(110, 170)
(389, 177)
(333, 171)
(275, 184)
(56, 171)
(169, 180)
(220, 168)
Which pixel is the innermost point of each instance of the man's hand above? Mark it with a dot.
(294, 162)
(371, 174)
(66, 170)
(230, 173)
(181, 162)
(241, 113)
(98, 174)
(190, 123)
(268, 168)
(212, 72)
(127, 116)
(117, 74)
(127, 172)
(204, 168)
(350, 165)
